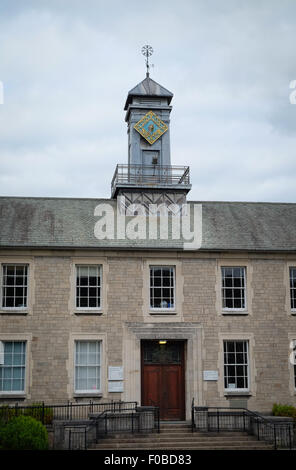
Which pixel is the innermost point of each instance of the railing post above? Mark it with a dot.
(42, 417)
(258, 435)
(274, 436)
(218, 424)
(158, 420)
(97, 429)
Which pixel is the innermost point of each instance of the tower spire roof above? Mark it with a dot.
(148, 87)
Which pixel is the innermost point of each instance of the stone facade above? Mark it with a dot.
(51, 236)
(51, 324)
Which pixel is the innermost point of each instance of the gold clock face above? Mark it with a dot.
(151, 127)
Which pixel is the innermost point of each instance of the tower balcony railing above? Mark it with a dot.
(150, 176)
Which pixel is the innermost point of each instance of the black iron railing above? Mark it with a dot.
(217, 419)
(70, 411)
(127, 420)
(140, 419)
(149, 175)
(77, 437)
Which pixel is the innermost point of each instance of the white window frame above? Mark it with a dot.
(293, 310)
(4, 338)
(162, 309)
(89, 265)
(235, 364)
(88, 391)
(244, 289)
(16, 308)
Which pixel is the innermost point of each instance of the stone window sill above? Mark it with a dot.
(13, 396)
(162, 312)
(234, 312)
(87, 395)
(13, 312)
(237, 394)
(88, 312)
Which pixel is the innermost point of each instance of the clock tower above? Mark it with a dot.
(149, 177)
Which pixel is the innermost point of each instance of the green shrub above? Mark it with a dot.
(38, 412)
(284, 410)
(6, 413)
(35, 410)
(23, 433)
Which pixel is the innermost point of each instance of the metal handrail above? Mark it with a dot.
(255, 419)
(150, 174)
(156, 414)
(46, 413)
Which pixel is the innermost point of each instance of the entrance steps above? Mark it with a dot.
(178, 436)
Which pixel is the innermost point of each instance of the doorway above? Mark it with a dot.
(163, 377)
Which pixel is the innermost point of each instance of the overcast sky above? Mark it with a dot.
(67, 66)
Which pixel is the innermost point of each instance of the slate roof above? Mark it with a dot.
(148, 87)
(69, 223)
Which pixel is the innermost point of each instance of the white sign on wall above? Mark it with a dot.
(115, 373)
(115, 386)
(210, 375)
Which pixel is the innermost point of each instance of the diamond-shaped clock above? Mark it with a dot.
(151, 127)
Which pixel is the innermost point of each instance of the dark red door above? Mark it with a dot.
(163, 378)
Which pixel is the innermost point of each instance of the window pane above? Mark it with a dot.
(14, 286)
(162, 287)
(12, 371)
(87, 365)
(233, 288)
(236, 364)
(88, 282)
(293, 287)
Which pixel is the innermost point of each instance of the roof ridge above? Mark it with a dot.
(110, 199)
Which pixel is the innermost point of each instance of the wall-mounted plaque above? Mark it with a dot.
(115, 373)
(210, 375)
(115, 386)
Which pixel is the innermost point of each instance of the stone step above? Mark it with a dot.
(181, 438)
(184, 449)
(243, 443)
(179, 435)
(221, 446)
(174, 424)
(159, 445)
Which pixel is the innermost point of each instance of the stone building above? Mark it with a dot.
(147, 296)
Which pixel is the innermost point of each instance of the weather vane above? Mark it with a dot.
(147, 51)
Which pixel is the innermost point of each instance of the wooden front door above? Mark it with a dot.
(163, 378)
